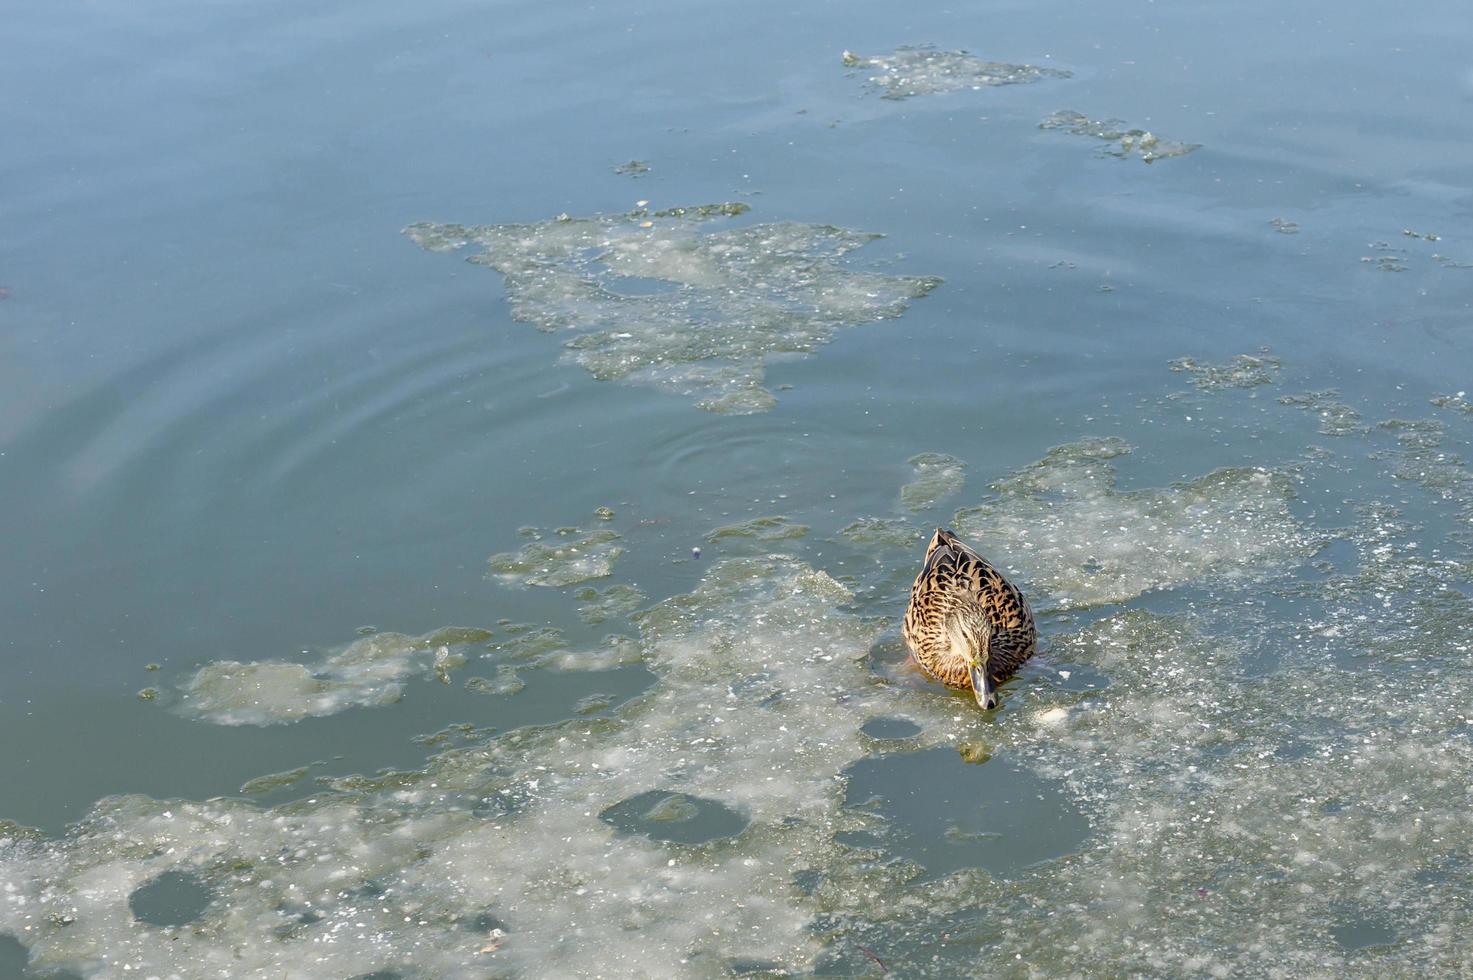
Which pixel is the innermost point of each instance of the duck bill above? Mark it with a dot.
(982, 689)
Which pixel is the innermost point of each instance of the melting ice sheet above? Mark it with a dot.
(664, 299)
(923, 70)
(1078, 538)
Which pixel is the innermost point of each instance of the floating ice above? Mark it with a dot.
(1243, 371)
(1336, 417)
(553, 559)
(760, 695)
(887, 532)
(504, 683)
(1457, 402)
(924, 70)
(1420, 457)
(1223, 798)
(701, 828)
(371, 670)
(657, 298)
(273, 781)
(766, 529)
(1074, 536)
(522, 645)
(937, 476)
(1128, 142)
(614, 602)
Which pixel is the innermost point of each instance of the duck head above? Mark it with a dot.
(972, 641)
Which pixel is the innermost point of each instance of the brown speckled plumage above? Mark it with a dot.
(962, 614)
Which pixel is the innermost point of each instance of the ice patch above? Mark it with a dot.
(273, 781)
(506, 682)
(884, 532)
(924, 70)
(1127, 142)
(1420, 457)
(937, 476)
(1336, 417)
(737, 298)
(371, 670)
(1073, 535)
(764, 529)
(1243, 371)
(614, 602)
(1457, 402)
(554, 559)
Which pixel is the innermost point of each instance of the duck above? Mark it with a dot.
(966, 625)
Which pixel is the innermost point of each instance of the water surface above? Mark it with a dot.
(373, 611)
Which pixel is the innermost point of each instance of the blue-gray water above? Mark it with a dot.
(1208, 410)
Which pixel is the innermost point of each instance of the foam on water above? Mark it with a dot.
(1074, 536)
(923, 70)
(731, 298)
(937, 476)
(558, 558)
(371, 670)
(1126, 142)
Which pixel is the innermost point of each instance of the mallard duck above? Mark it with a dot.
(966, 625)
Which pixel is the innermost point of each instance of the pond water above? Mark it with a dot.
(461, 471)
